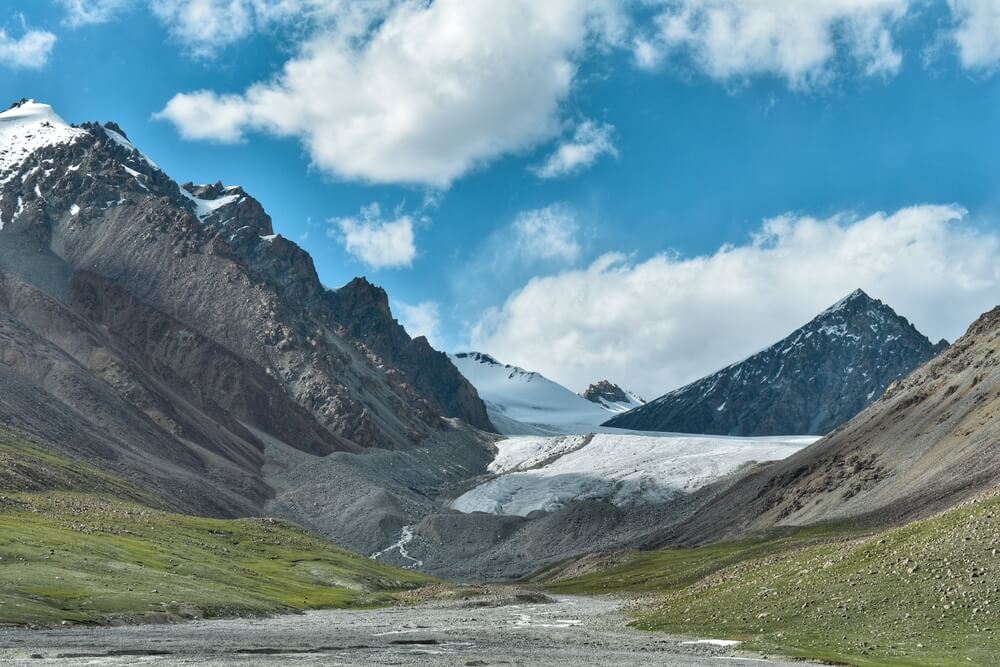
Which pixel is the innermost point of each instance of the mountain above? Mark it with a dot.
(165, 333)
(521, 402)
(926, 445)
(611, 397)
(817, 378)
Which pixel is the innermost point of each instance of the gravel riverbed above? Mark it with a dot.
(484, 631)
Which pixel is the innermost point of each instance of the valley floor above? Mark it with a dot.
(484, 630)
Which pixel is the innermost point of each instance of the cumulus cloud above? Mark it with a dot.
(378, 242)
(204, 27)
(589, 142)
(548, 233)
(421, 319)
(29, 51)
(977, 32)
(660, 323)
(92, 12)
(798, 41)
(422, 95)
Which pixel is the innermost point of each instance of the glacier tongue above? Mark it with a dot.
(539, 473)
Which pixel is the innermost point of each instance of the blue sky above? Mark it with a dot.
(644, 191)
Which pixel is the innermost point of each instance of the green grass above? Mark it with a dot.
(673, 569)
(924, 594)
(26, 467)
(82, 558)
(80, 545)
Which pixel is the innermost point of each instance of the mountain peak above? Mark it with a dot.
(811, 381)
(26, 127)
(30, 112)
(609, 391)
(856, 299)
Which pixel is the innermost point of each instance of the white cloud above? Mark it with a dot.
(546, 233)
(377, 242)
(977, 32)
(205, 115)
(30, 51)
(421, 319)
(798, 41)
(663, 322)
(424, 95)
(204, 27)
(590, 141)
(92, 12)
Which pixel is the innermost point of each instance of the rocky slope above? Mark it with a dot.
(808, 383)
(165, 332)
(927, 444)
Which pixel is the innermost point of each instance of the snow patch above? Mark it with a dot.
(206, 207)
(128, 145)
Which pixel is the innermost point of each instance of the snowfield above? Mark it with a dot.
(548, 473)
(26, 128)
(521, 402)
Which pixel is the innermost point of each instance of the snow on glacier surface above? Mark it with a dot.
(548, 473)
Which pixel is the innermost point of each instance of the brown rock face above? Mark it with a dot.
(607, 391)
(183, 328)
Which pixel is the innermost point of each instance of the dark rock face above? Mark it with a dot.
(817, 378)
(928, 444)
(365, 309)
(607, 391)
(181, 321)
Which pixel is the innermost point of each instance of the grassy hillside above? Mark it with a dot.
(84, 549)
(924, 594)
(25, 467)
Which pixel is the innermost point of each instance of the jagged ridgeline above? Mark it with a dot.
(166, 332)
(810, 382)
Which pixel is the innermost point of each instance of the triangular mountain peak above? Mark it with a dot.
(810, 382)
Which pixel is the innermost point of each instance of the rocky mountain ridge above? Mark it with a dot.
(926, 445)
(195, 329)
(810, 382)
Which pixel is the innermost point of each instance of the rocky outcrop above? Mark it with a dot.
(605, 390)
(365, 310)
(817, 378)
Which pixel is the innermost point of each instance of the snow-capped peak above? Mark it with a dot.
(26, 127)
(857, 295)
(516, 397)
